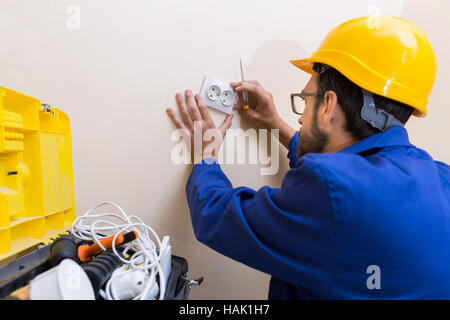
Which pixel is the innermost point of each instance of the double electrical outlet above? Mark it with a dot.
(218, 94)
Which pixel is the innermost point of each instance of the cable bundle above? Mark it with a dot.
(141, 255)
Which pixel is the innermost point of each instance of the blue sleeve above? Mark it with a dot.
(292, 151)
(287, 232)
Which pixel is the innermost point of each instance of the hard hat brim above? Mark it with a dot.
(304, 64)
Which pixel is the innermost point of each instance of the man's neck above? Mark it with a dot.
(339, 141)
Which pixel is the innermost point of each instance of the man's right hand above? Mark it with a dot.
(262, 110)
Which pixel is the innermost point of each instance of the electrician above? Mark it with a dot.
(362, 213)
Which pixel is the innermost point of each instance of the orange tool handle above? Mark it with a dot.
(86, 251)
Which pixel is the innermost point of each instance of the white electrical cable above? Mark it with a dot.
(145, 256)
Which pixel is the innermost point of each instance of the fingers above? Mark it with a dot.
(250, 87)
(189, 109)
(226, 124)
(192, 106)
(185, 115)
(237, 84)
(204, 112)
(252, 114)
(175, 119)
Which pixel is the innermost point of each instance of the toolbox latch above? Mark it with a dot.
(47, 108)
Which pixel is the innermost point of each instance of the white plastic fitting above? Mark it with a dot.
(218, 94)
(66, 281)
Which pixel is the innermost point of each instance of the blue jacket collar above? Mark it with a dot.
(396, 136)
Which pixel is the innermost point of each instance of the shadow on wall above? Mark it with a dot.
(428, 132)
(270, 66)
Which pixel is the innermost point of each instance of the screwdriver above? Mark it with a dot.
(244, 92)
(86, 251)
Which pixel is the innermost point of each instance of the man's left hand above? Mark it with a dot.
(195, 120)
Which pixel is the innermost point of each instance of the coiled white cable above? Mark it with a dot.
(145, 256)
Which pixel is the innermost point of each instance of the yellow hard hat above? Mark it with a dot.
(385, 55)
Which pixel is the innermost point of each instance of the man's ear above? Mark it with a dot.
(329, 108)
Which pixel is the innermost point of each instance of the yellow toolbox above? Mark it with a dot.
(36, 175)
(37, 199)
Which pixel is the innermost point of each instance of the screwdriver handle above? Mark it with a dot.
(86, 251)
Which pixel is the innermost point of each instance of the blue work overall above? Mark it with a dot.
(369, 222)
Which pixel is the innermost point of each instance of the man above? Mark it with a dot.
(362, 214)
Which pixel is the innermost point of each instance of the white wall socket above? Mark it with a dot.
(218, 94)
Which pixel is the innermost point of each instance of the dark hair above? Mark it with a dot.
(350, 99)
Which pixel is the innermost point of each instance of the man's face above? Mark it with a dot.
(312, 139)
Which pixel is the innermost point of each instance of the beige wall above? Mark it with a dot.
(433, 132)
(117, 73)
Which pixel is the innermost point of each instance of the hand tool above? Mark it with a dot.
(86, 251)
(244, 93)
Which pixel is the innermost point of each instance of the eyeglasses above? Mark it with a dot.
(298, 101)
